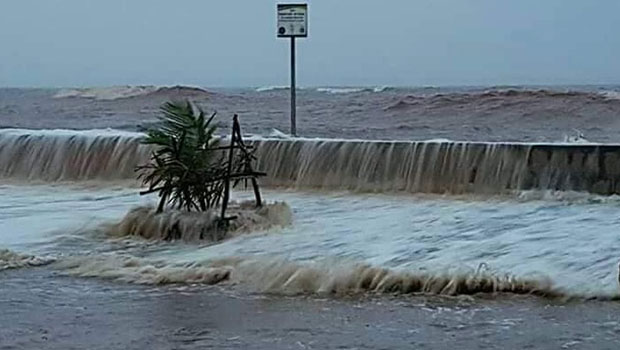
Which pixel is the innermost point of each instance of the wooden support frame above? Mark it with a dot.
(244, 170)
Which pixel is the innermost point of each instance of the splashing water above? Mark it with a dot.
(367, 166)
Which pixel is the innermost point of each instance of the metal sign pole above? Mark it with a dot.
(293, 88)
(292, 23)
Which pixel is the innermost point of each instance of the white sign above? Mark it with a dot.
(292, 20)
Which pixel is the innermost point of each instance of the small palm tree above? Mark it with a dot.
(185, 168)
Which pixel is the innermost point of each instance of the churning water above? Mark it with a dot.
(563, 244)
(378, 217)
(502, 225)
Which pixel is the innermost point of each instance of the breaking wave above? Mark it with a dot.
(495, 98)
(12, 260)
(341, 90)
(106, 93)
(271, 88)
(276, 276)
(200, 226)
(123, 92)
(329, 90)
(611, 94)
(382, 88)
(352, 90)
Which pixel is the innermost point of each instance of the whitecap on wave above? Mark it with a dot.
(272, 88)
(352, 90)
(112, 93)
(381, 88)
(341, 90)
(107, 93)
(611, 94)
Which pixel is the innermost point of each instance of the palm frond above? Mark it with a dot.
(183, 167)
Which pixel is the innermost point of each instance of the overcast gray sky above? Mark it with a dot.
(351, 42)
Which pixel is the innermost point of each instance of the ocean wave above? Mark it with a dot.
(341, 90)
(351, 90)
(492, 96)
(12, 260)
(382, 88)
(271, 88)
(277, 276)
(610, 94)
(113, 93)
(530, 93)
(200, 226)
(328, 90)
(106, 93)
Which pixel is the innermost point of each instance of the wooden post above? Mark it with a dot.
(231, 152)
(236, 141)
(259, 201)
(248, 166)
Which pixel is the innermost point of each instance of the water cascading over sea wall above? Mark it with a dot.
(368, 166)
(440, 167)
(65, 155)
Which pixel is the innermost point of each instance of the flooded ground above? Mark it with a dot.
(41, 310)
(355, 270)
(533, 234)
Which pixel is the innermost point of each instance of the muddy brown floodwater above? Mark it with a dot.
(307, 286)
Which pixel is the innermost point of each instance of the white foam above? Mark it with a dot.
(381, 88)
(351, 90)
(342, 90)
(271, 88)
(277, 134)
(611, 94)
(13, 260)
(576, 138)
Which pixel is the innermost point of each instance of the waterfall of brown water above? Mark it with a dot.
(439, 167)
(69, 156)
(431, 167)
(375, 166)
